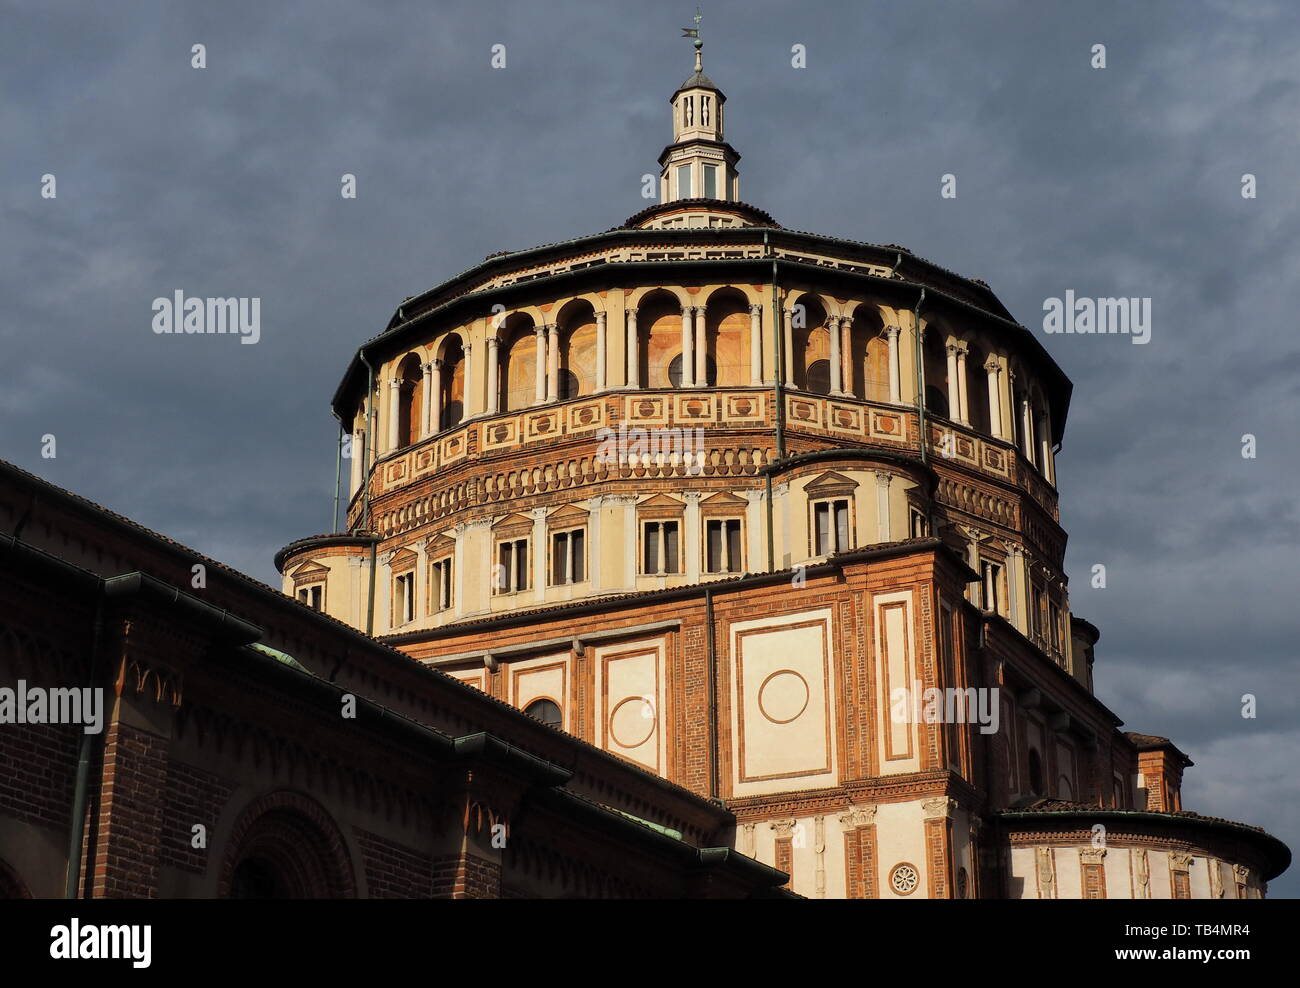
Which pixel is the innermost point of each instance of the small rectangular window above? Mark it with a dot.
(683, 181)
(512, 566)
(722, 546)
(920, 526)
(650, 539)
(990, 581)
(440, 584)
(659, 548)
(710, 182)
(568, 551)
(316, 592)
(830, 527)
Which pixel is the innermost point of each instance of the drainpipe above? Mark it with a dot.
(369, 466)
(712, 658)
(81, 789)
(779, 332)
(920, 376)
(338, 468)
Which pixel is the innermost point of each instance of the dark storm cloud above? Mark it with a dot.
(1123, 181)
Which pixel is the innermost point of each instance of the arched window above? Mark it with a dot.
(547, 711)
(1035, 772)
(937, 390)
(410, 401)
(977, 389)
(452, 400)
(286, 847)
(936, 402)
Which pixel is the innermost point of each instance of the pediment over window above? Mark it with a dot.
(829, 484)
(723, 503)
(309, 572)
(441, 545)
(402, 559)
(513, 524)
(660, 506)
(569, 515)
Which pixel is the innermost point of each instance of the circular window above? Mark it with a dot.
(904, 879)
(963, 884)
(547, 711)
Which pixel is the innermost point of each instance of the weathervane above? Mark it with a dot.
(694, 32)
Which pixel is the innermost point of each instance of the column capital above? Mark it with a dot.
(631, 311)
(939, 807)
(992, 366)
(493, 342)
(395, 383)
(858, 816)
(891, 332)
(755, 309)
(538, 329)
(784, 828)
(959, 347)
(432, 365)
(600, 316)
(883, 478)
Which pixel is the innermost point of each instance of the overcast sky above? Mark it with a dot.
(1122, 181)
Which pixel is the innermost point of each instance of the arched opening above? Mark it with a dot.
(659, 331)
(547, 711)
(726, 330)
(577, 329)
(936, 371)
(977, 389)
(451, 406)
(11, 886)
(1035, 772)
(517, 363)
(410, 400)
(869, 355)
(812, 346)
(286, 847)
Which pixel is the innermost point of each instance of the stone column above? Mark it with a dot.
(883, 481)
(687, 379)
(539, 335)
(426, 410)
(1026, 430)
(963, 406)
(689, 541)
(394, 401)
(954, 405)
(1045, 446)
(600, 351)
(895, 365)
(788, 332)
(552, 362)
(435, 396)
(356, 464)
(468, 406)
(837, 361)
(701, 349)
(846, 356)
(756, 345)
(493, 375)
(633, 377)
(992, 368)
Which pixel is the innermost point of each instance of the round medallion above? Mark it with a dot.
(632, 722)
(783, 696)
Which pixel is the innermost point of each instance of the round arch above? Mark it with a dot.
(285, 845)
